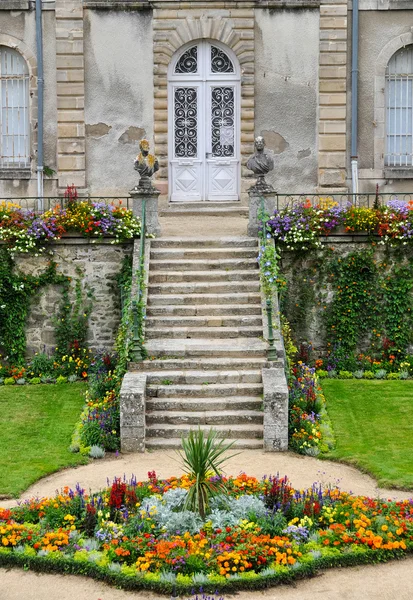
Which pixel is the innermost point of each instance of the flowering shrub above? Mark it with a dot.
(120, 533)
(306, 407)
(25, 231)
(300, 226)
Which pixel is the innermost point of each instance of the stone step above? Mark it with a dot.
(204, 391)
(204, 209)
(242, 431)
(194, 348)
(205, 417)
(206, 364)
(178, 299)
(175, 444)
(201, 377)
(206, 321)
(214, 404)
(202, 332)
(209, 310)
(200, 241)
(204, 276)
(202, 287)
(202, 253)
(167, 263)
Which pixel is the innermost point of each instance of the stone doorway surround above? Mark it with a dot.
(172, 29)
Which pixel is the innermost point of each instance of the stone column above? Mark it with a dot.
(257, 206)
(150, 196)
(132, 412)
(275, 410)
(70, 94)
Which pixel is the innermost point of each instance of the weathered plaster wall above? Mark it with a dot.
(99, 264)
(119, 96)
(21, 25)
(286, 71)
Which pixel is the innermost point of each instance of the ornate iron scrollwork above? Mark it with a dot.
(220, 62)
(186, 122)
(222, 121)
(188, 62)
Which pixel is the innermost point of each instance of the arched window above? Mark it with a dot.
(399, 109)
(14, 110)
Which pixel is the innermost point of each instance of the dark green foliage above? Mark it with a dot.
(363, 301)
(72, 321)
(16, 293)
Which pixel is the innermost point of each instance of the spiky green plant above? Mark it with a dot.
(202, 459)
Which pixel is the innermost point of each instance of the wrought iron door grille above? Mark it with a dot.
(14, 110)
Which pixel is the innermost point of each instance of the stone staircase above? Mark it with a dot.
(204, 340)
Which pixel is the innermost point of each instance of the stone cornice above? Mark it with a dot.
(15, 5)
(204, 4)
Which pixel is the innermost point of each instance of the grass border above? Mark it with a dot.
(67, 566)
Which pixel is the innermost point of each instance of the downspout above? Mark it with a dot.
(40, 94)
(354, 98)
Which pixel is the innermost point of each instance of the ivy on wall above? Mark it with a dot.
(73, 317)
(16, 293)
(357, 302)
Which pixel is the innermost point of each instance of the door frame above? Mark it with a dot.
(204, 80)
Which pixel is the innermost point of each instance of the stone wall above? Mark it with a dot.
(303, 285)
(99, 262)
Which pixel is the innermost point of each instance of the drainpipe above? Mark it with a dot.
(40, 94)
(354, 98)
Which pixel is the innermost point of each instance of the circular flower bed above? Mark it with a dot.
(257, 533)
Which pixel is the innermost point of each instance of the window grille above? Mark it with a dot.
(399, 109)
(14, 110)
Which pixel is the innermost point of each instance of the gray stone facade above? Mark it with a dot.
(106, 76)
(98, 263)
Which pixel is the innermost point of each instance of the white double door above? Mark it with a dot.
(204, 137)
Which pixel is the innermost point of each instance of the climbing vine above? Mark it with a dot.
(361, 302)
(352, 313)
(72, 320)
(16, 293)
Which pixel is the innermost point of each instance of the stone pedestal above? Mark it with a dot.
(275, 410)
(149, 196)
(258, 200)
(132, 412)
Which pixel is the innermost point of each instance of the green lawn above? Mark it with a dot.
(373, 427)
(37, 422)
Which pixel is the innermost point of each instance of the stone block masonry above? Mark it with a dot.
(70, 94)
(99, 262)
(132, 412)
(275, 409)
(332, 96)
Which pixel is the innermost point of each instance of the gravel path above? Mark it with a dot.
(358, 583)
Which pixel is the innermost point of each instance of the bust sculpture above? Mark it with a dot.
(146, 164)
(260, 164)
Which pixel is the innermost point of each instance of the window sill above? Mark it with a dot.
(15, 174)
(398, 173)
